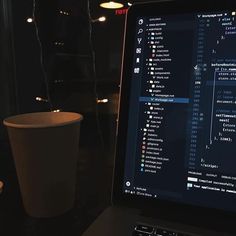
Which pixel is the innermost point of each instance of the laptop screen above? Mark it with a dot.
(180, 137)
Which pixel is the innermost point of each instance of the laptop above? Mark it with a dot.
(175, 161)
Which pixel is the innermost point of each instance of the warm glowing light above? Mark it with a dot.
(105, 100)
(59, 43)
(57, 110)
(64, 13)
(102, 19)
(111, 5)
(41, 99)
(29, 20)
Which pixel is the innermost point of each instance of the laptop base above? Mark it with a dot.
(117, 221)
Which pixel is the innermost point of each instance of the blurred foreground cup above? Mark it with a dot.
(45, 150)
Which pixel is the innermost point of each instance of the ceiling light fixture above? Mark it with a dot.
(111, 5)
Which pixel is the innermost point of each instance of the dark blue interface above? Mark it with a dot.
(181, 137)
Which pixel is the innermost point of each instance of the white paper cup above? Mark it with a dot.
(45, 151)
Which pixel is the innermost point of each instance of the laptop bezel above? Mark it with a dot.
(184, 213)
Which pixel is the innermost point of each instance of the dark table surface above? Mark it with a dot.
(94, 176)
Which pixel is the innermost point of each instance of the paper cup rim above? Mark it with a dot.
(42, 119)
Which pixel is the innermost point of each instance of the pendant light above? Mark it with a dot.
(111, 5)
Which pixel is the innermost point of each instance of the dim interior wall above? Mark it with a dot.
(8, 93)
(29, 75)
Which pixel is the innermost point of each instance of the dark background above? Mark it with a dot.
(69, 61)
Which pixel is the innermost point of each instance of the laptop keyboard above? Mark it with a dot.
(147, 230)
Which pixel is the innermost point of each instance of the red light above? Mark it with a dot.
(121, 11)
